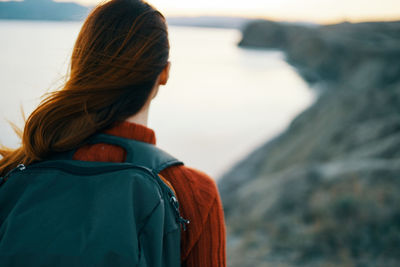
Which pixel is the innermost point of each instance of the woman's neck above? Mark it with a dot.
(141, 117)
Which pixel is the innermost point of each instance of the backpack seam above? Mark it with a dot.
(146, 220)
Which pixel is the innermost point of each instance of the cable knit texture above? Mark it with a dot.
(203, 243)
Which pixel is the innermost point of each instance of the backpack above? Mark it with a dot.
(64, 212)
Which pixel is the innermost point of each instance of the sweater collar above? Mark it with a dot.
(132, 131)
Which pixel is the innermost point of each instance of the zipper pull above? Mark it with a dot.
(183, 222)
(20, 167)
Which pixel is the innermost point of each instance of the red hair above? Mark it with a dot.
(118, 55)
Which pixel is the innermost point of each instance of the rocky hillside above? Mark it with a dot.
(327, 191)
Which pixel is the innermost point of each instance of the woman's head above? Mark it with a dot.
(120, 51)
(117, 59)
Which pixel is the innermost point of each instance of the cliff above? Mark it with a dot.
(326, 192)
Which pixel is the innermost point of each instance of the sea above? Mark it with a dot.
(220, 103)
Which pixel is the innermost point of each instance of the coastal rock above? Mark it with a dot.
(333, 53)
(326, 192)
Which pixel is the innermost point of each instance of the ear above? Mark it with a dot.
(164, 75)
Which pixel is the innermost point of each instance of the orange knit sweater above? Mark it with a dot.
(203, 243)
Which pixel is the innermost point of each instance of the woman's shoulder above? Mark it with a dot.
(191, 179)
(195, 189)
(200, 204)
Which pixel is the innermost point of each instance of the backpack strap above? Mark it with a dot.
(139, 153)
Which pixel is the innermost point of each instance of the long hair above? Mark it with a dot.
(118, 55)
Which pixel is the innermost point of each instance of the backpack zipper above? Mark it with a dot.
(76, 169)
(20, 167)
(182, 221)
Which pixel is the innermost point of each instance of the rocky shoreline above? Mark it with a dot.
(327, 191)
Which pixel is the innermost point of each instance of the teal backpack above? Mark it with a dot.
(63, 212)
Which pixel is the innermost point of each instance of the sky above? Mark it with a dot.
(319, 11)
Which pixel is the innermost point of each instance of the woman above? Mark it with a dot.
(118, 63)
